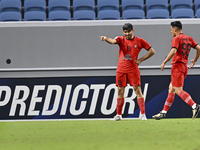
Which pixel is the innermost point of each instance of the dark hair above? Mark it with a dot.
(177, 24)
(127, 26)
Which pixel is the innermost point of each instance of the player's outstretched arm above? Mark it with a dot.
(193, 61)
(108, 40)
(150, 53)
(169, 56)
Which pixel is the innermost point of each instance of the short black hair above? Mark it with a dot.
(177, 24)
(127, 26)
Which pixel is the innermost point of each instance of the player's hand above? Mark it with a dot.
(138, 62)
(103, 38)
(192, 63)
(162, 66)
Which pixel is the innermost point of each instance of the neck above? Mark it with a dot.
(179, 32)
(132, 37)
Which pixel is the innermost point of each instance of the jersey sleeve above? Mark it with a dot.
(118, 39)
(194, 43)
(175, 43)
(145, 44)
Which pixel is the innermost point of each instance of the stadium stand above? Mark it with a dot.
(151, 8)
(11, 10)
(59, 10)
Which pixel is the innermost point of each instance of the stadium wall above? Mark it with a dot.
(46, 49)
(61, 70)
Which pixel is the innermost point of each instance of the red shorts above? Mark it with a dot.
(178, 74)
(133, 78)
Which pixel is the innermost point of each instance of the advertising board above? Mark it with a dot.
(87, 98)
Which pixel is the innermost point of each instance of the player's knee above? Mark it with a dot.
(171, 89)
(137, 91)
(178, 90)
(121, 92)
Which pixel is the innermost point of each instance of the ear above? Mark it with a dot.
(176, 29)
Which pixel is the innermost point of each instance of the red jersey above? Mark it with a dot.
(128, 52)
(183, 44)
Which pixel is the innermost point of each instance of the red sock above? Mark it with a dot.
(120, 103)
(141, 104)
(187, 98)
(169, 101)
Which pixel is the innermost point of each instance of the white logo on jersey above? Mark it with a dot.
(128, 57)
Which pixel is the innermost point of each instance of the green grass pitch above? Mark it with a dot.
(166, 134)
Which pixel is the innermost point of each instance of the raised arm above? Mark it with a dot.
(108, 40)
(193, 61)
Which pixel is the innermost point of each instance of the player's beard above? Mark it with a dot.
(128, 37)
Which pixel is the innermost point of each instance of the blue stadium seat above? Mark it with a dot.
(59, 10)
(35, 16)
(198, 13)
(11, 5)
(133, 14)
(176, 4)
(11, 10)
(61, 5)
(197, 5)
(84, 15)
(182, 13)
(59, 15)
(35, 10)
(11, 16)
(107, 5)
(83, 5)
(156, 4)
(35, 5)
(130, 4)
(158, 14)
(108, 15)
